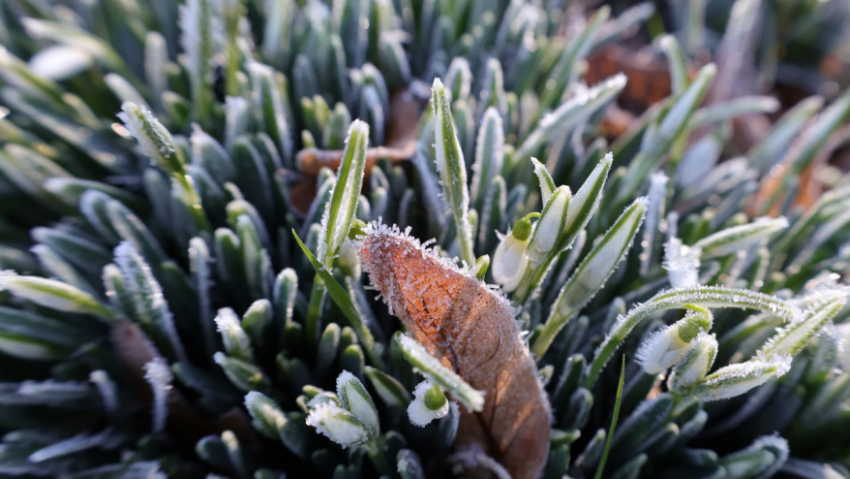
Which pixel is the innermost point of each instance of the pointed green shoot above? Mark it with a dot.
(340, 210)
(591, 274)
(547, 184)
(452, 169)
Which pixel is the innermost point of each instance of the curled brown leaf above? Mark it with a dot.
(470, 328)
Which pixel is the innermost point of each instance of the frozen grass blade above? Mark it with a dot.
(616, 415)
(157, 143)
(438, 374)
(739, 238)
(148, 302)
(746, 105)
(158, 375)
(792, 339)
(54, 294)
(197, 42)
(489, 154)
(677, 61)
(452, 169)
(339, 211)
(342, 299)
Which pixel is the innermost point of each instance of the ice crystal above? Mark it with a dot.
(682, 263)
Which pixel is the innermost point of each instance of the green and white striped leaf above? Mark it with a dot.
(340, 210)
(435, 372)
(452, 168)
(591, 274)
(54, 295)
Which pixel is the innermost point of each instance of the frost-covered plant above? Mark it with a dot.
(199, 198)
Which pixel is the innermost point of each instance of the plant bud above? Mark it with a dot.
(550, 226)
(339, 425)
(429, 403)
(695, 363)
(357, 401)
(666, 347)
(510, 260)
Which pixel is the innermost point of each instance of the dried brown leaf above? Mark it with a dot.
(471, 329)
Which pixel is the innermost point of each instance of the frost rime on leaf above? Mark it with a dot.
(147, 297)
(158, 375)
(654, 213)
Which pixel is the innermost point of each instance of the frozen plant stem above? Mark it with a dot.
(376, 455)
(707, 297)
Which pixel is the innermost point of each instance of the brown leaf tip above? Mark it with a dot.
(384, 247)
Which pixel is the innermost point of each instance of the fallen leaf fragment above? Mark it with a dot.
(470, 328)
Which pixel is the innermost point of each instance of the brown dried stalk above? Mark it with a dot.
(405, 110)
